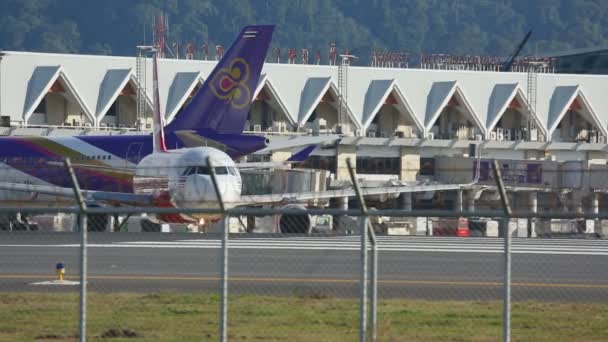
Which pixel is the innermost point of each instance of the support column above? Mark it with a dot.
(458, 201)
(533, 208)
(340, 221)
(343, 203)
(410, 164)
(595, 209)
(470, 200)
(343, 152)
(405, 200)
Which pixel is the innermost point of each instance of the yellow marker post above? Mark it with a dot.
(60, 268)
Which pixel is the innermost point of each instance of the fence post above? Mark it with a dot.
(224, 261)
(506, 335)
(365, 230)
(374, 293)
(82, 222)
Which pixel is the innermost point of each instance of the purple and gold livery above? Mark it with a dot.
(224, 102)
(217, 113)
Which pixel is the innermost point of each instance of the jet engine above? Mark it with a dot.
(295, 223)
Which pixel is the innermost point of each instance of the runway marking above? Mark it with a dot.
(385, 244)
(320, 280)
(57, 283)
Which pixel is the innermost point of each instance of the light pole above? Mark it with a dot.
(2, 54)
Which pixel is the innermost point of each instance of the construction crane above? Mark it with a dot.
(509, 62)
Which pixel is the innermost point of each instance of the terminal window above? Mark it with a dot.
(378, 165)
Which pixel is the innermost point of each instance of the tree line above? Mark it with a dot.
(490, 27)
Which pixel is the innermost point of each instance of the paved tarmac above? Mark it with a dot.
(565, 270)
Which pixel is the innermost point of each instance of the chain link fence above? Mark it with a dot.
(370, 272)
(436, 279)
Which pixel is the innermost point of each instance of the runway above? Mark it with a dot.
(566, 270)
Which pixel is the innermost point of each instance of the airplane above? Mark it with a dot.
(178, 177)
(211, 118)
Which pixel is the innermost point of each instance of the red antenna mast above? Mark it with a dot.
(161, 25)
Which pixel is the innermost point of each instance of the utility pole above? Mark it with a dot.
(2, 54)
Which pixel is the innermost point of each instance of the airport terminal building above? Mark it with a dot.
(400, 124)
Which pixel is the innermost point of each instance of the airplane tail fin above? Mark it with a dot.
(223, 102)
(158, 122)
(302, 155)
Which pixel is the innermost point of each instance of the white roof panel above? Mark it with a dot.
(38, 85)
(376, 94)
(183, 84)
(437, 99)
(502, 95)
(313, 91)
(111, 85)
(560, 100)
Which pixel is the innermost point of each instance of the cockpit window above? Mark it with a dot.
(221, 170)
(204, 170)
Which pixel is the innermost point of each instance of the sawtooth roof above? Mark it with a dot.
(366, 105)
(95, 80)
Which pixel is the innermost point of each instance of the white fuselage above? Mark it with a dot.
(185, 175)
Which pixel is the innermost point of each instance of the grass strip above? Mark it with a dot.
(306, 317)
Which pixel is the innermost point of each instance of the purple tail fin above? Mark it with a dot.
(303, 154)
(223, 102)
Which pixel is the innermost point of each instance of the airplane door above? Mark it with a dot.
(134, 152)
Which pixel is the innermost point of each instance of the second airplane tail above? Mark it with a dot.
(223, 102)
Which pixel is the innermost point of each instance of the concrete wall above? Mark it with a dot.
(326, 111)
(60, 111)
(504, 154)
(410, 164)
(264, 114)
(127, 111)
(343, 152)
(564, 156)
(512, 118)
(56, 106)
(389, 120)
(449, 120)
(571, 125)
(330, 113)
(454, 169)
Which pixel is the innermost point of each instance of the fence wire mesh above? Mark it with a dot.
(295, 273)
(39, 275)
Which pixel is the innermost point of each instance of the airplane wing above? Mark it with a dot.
(126, 170)
(282, 143)
(192, 139)
(122, 198)
(298, 157)
(147, 200)
(102, 196)
(376, 191)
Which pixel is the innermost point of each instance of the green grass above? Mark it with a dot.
(194, 317)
